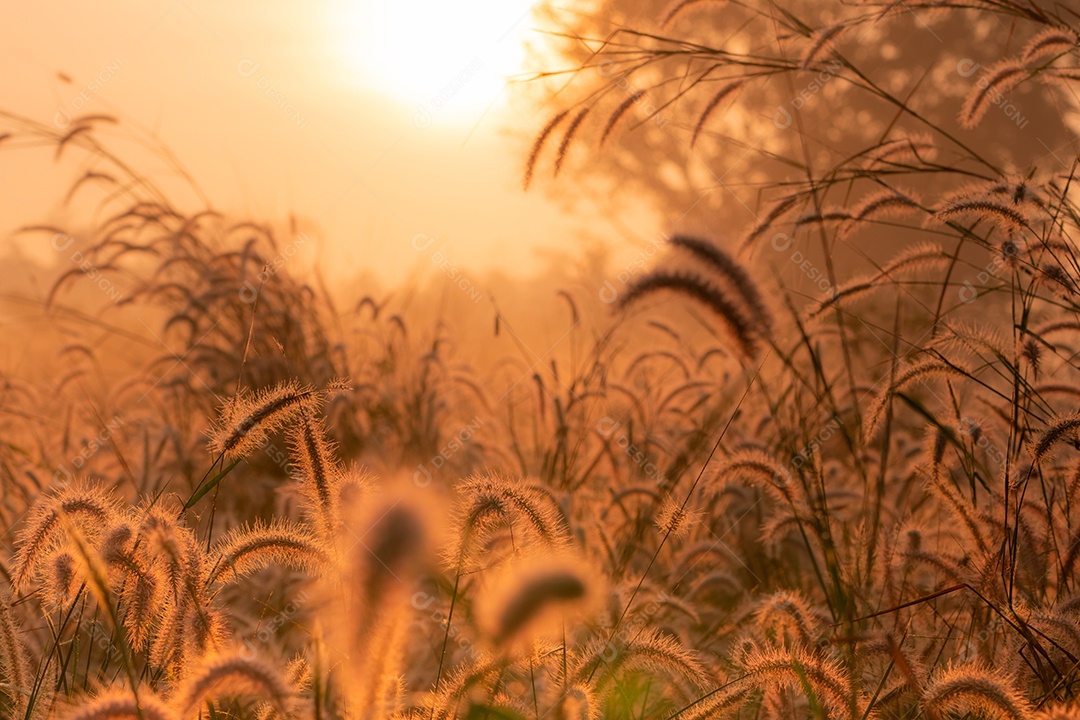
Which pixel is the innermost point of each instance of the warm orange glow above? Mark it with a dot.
(444, 58)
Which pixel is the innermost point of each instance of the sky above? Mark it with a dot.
(386, 127)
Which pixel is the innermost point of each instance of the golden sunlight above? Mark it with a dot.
(448, 59)
(550, 359)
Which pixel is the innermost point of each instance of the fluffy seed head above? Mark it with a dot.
(1049, 42)
(122, 705)
(230, 674)
(86, 506)
(998, 80)
(246, 420)
(531, 590)
(973, 688)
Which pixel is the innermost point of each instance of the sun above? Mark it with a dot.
(443, 59)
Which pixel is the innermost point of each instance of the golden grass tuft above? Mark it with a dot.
(973, 688)
(1052, 41)
(14, 663)
(229, 674)
(730, 273)
(248, 419)
(85, 505)
(1059, 430)
(568, 137)
(531, 591)
(122, 705)
(823, 680)
(995, 82)
(245, 550)
(739, 327)
(911, 148)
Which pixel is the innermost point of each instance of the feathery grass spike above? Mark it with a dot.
(693, 286)
(538, 145)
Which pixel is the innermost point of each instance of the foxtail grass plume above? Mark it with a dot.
(245, 550)
(492, 501)
(778, 209)
(718, 97)
(738, 326)
(60, 583)
(884, 204)
(1053, 41)
(914, 147)
(1061, 429)
(387, 540)
(821, 218)
(1006, 216)
(317, 472)
(998, 80)
(922, 371)
(822, 679)
(230, 674)
(753, 466)
(568, 137)
(674, 519)
(730, 273)
(86, 506)
(14, 663)
(652, 650)
(618, 113)
(122, 705)
(787, 614)
(530, 590)
(821, 41)
(248, 419)
(538, 145)
(973, 688)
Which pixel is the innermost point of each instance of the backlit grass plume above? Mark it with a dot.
(530, 589)
(246, 550)
(975, 689)
(248, 419)
(317, 471)
(835, 479)
(725, 91)
(1052, 41)
(823, 680)
(85, 505)
(695, 287)
(786, 614)
(229, 674)
(490, 502)
(389, 540)
(651, 650)
(619, 112)
(122, 705)
(14, 662)
(729, 272)
(538, 145)
(1060, 430)
(995, 82)
(913, 147)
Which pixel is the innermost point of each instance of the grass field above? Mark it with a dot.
(819, 463)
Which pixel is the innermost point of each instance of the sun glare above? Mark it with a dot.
(446, 59)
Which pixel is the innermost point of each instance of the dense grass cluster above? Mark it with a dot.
(747, 501)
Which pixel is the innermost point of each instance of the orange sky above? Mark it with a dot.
(341, 113)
